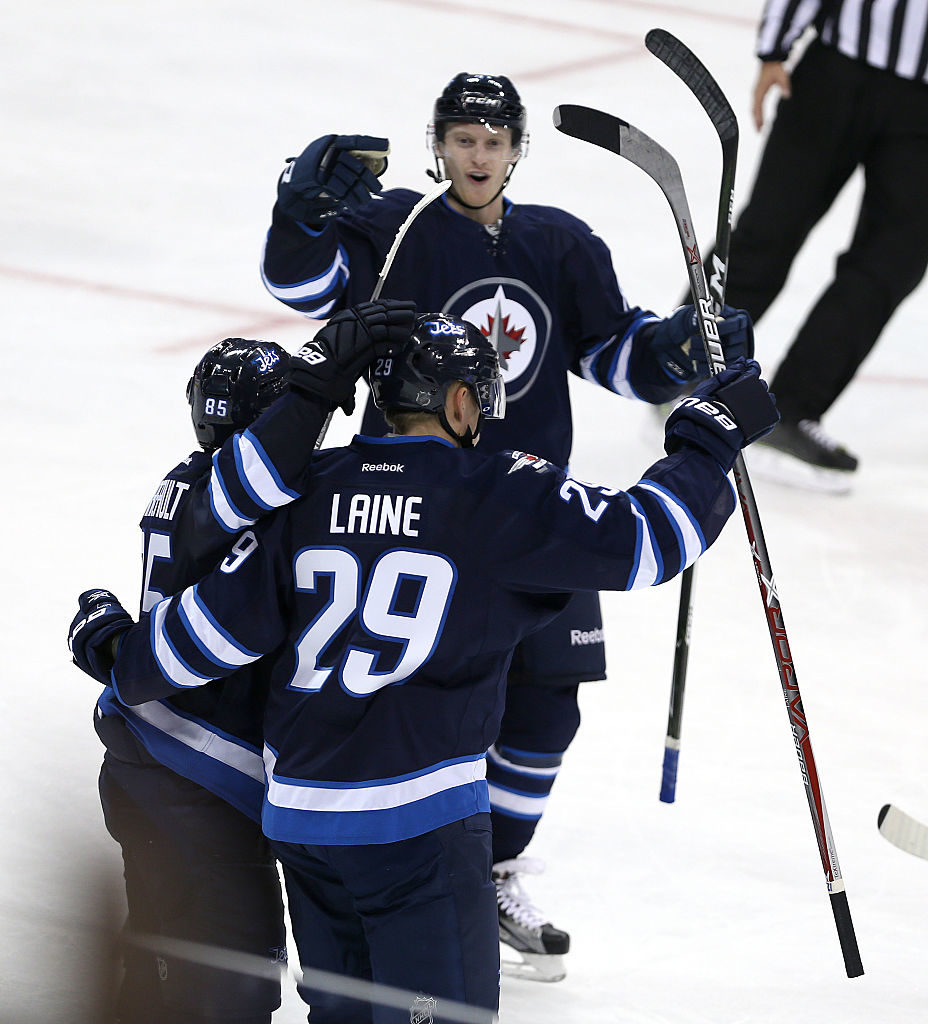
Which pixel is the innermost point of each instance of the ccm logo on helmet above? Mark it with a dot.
(708, 409)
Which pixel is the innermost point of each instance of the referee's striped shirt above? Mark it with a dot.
(888, 34)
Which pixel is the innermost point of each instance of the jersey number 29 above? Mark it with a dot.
(416, 628)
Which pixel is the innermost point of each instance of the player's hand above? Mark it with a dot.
(329, 366)
(333, 174)
(677, 344)
(724, 414)
(95, 632)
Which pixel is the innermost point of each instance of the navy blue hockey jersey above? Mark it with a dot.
(214, 735)
(543, 290)
(392, 595)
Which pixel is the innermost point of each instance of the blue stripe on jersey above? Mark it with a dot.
(517, 803)
(258, 474)
(373, 810)
(214, 642)
(172, 666)
(220, 762)
(689, 535)
(615, 378)
(648, 566)
(546, 766)
(225, 513)
(314, 290)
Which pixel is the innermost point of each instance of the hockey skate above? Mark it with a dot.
(803, 455)
(523, 928)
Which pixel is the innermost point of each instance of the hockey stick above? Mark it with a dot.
(694, 75)
(903, 831)
(429, 197)
(619, 137)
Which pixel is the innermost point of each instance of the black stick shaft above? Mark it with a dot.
(693, 73)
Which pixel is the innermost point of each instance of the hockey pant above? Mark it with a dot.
(419, 914)
(196, 869)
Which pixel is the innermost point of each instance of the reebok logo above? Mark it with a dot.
(585, 637)
(382, 467)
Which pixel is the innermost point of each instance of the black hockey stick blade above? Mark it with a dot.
(612, 133)
(590, 125)
(695, 76)
(687, 66)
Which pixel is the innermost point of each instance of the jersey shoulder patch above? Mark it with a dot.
(523, 460)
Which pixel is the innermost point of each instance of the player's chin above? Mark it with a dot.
(475, 190)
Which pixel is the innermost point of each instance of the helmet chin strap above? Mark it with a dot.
(439, 174)
(469, 438)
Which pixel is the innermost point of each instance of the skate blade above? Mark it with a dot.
(534, 966)
(767, 463)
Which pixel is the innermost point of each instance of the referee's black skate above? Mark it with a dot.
(523, 927)
(801, 454)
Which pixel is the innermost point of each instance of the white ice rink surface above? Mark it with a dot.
(140, 148)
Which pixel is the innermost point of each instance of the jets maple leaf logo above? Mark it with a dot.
(505, 338)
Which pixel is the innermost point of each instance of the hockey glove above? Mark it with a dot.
(724, 414)
(329, 366)
(333, 174)
(95, 633)
(678, 348)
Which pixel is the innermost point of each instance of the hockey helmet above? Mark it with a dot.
(480, 99)
(441, 350)
(232, 385)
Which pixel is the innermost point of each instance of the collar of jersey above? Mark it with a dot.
(413, 439)
(507, 207)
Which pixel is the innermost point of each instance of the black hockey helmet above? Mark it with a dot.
(441, 351)
(480, 99)
(232, 385)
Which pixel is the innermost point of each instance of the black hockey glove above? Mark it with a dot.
(95, 632)
(678, 347)
(333, 174)
(329, 366)
(724, 414)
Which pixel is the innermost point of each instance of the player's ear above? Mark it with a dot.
(455, 404)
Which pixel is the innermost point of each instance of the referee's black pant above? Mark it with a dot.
(842, 114)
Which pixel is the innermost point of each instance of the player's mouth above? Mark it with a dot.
(478, 177)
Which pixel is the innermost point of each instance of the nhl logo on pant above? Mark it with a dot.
(421, 1010)
(162, 968)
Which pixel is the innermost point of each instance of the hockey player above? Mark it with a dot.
(392, 595)
(183, 779)
(541, 286)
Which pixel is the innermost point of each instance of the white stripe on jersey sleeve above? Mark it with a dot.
(305, 291)
(691, 539)
(206, 633)
(227, 515)
(644, 572)
(259, 473)
(619, 382)
(172, 668)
